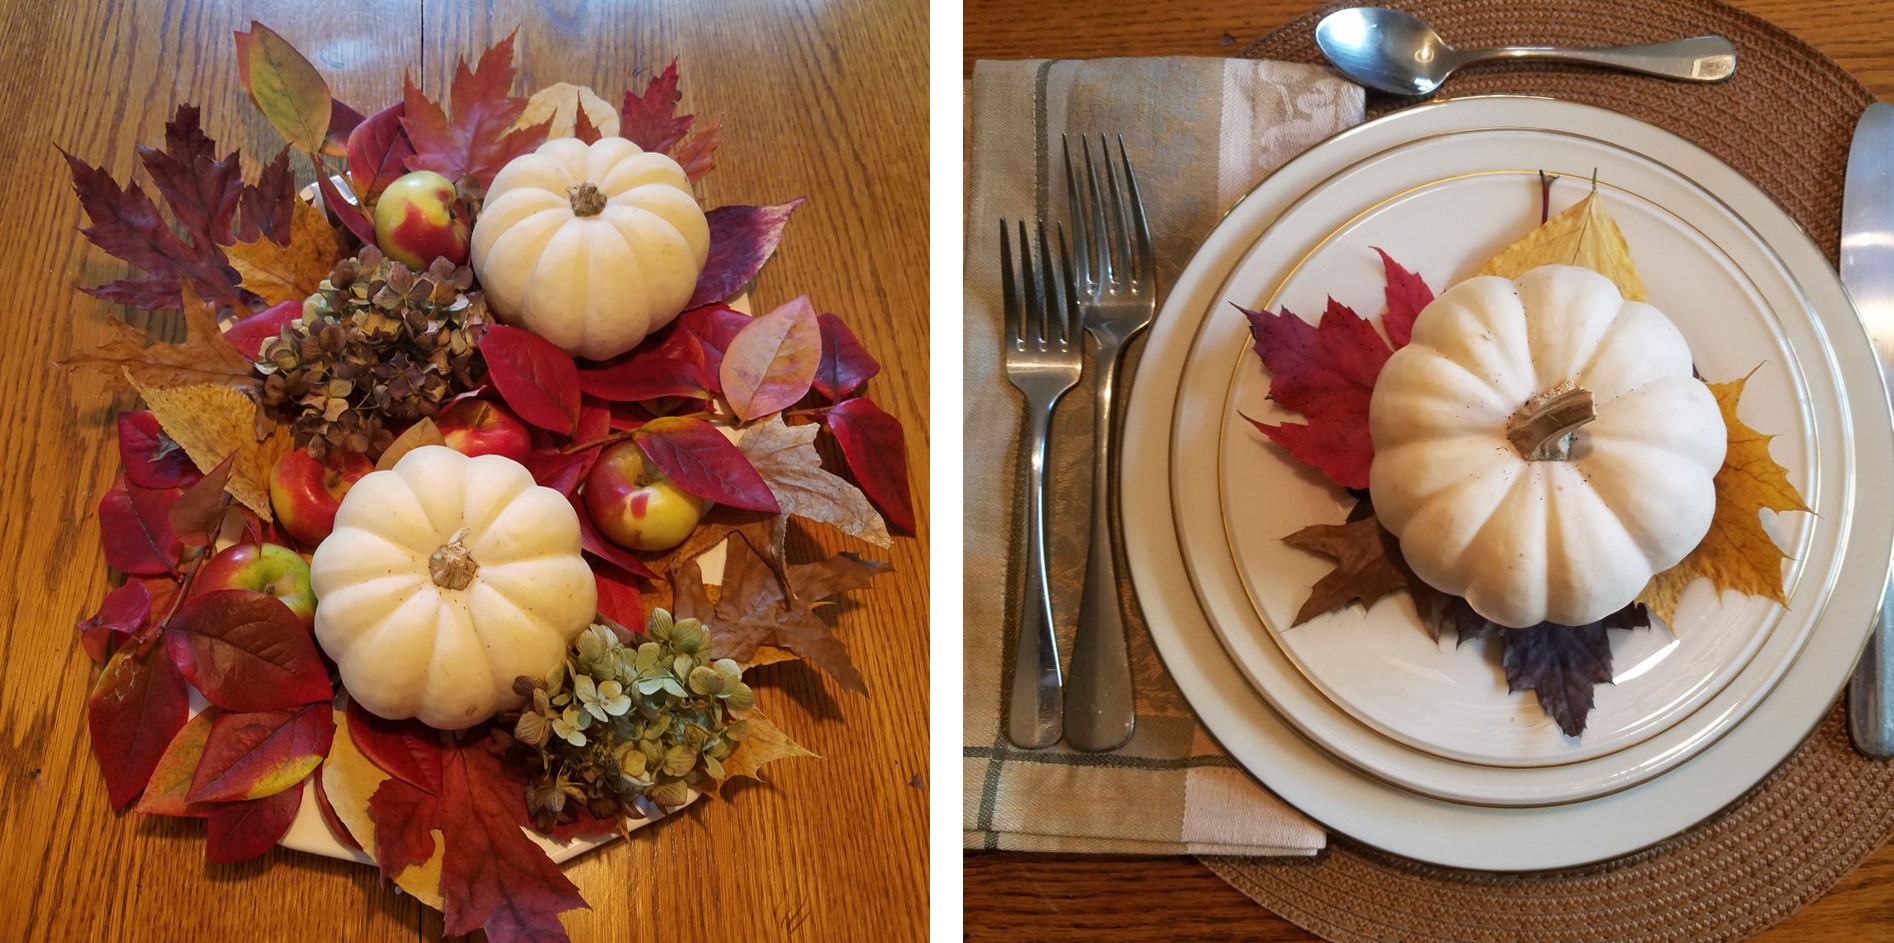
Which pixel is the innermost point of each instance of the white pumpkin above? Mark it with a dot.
(590, 246)
(1542, 448)
(446, 578)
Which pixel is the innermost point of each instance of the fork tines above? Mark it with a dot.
(1038, 305)
(1111, 239)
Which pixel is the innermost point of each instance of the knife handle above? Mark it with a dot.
(1871, 691)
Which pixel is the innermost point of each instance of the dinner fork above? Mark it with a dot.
(1115, 281)
(1044, 358)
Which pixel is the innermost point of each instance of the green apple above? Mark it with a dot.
(634, 505)
(415, 221)
(263, 568)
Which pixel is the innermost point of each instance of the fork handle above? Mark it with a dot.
(1036, 701)
(1100, 710)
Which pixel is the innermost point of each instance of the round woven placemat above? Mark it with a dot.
(1785, 121)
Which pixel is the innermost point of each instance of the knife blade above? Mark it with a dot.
(1867, 270)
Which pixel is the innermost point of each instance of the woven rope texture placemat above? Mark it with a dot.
(1785, 121)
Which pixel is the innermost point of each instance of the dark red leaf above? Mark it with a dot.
(1327, 374)
(346, 213)
(135, 526)
(343, 120)
(1407, 295)
(595, 420)
(336, 829)
(250, 334)
(151, 460)
(405, 749)
(560, 472)
(492, 875)
(123, 612)
(583, 128)
(153, 292)
(239, 831)
(650, 120)
(538, 380)
(245, 651)
(712, 328)
(267, 205)
(138, 705)
(876, 451)
(476, 144)
(742, 238)
(698, 457)
(845, 364)
(648, 376)
(378, 153)
(254, 754)
(618, 597)
(126, 224)
(595, 544)
(201, 190)
(197, 514)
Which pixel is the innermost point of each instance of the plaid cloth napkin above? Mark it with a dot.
(1201, 133)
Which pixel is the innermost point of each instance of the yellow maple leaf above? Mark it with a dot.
(1584, 234)
(1737, 553)
(212, 422)
(765, 743)
(349, 779)
(290, 272)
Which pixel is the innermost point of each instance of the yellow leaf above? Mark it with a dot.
(291, 272)
(560, 103)
(1584, 235)
(349, 779)
(1737, 554)
(421, 433)
(765, 743)
(211, 422)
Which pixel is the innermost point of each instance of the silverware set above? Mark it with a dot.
(1104, 285)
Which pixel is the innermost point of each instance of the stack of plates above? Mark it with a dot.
(1359, 718)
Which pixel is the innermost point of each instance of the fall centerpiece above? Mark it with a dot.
(1534, 456)
(460, 513)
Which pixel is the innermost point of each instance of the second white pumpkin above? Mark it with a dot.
(1491, 495)
(591, 246)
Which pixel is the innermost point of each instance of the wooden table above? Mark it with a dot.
(826, 101)
(1012, 896)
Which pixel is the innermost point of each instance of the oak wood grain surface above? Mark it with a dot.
(1013, 896)
(819, 99)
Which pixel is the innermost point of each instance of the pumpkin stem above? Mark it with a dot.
(1542, 429)
(452, 566)
(586, 200)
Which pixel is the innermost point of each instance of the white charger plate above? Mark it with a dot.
(1186, 616)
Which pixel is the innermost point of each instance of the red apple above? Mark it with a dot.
(306, 493)
(634, 505)
(415, 221)
(477, 427)
(264, 568)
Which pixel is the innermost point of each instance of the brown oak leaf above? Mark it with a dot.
(1367, 564)
(205, 356)
(786, 458)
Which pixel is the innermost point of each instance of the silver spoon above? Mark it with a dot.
(1399, 53)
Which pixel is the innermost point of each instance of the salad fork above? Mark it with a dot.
(1115, 279)
(1044, 358)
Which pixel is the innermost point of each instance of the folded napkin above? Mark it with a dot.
(1201, 133)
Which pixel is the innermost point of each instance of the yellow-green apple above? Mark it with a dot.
(264, 568)
(416, 223)
(635, 505)
(305, 492)
(477, 427)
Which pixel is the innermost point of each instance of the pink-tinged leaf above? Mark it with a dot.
(247, 652)
(845, 364)
(329, 818)
(538, 380)
(378, 153)
(1407, 295)
(250, 334)
(136, 709)
(742, 238)
(201, 190)
(267, 206)
(405, 749)
(171, 780)
(561, 472)
(618, 597)
(595, 544)
(645, 377)
(701, 461)
(123, 612)
(254, 754)
(476, 143)
(711, 328)
(1327, 374)
(151, 460)
(348, 214)
(876, 451)
(595, 420)
(285, 87)
(135, 526)
(650, 120)
(197, 514)
(239, 831)
(771, 363)
(493, 877)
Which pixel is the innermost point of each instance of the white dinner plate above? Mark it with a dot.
(1743, 683)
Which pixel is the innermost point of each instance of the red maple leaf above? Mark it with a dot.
(1407, 295)
(476, 143)
(651, 121)
(492, 875)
